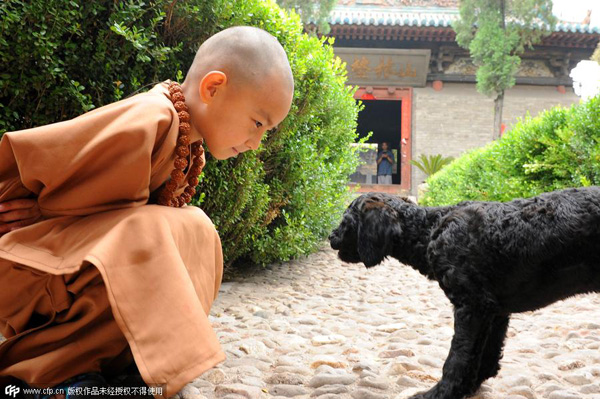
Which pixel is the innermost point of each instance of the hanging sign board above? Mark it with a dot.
(385, 67)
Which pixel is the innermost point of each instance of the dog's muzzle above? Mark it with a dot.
(334, 240)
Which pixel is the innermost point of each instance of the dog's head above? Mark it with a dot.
(368, 229)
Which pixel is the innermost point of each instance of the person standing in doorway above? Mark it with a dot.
(385, 161)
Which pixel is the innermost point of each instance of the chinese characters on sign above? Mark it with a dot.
(385, 69)
(371, 67)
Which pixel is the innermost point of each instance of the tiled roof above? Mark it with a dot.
(401, 3)
(573, 27)
(419, 17)
(396, 17)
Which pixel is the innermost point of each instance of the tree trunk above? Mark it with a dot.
(498, 103)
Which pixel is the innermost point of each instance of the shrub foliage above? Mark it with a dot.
(559, 148)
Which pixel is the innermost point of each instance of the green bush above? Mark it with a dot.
(558, 149)
(67, 57)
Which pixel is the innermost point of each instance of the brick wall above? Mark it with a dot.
(458, 118)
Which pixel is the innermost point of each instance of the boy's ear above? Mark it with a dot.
(210, 84)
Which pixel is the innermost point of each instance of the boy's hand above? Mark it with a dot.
(18, 213)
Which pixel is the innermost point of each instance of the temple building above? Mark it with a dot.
(418, 86)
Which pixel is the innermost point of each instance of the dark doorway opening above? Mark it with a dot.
(383, 118)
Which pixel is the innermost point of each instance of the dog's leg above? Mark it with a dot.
(490, 360)
(471, 330)
(492, 352)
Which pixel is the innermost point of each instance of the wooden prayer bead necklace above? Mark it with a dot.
(167, 194)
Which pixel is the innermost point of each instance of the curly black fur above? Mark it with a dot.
(491, 259)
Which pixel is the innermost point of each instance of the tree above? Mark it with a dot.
(311, 11)
(496, 33)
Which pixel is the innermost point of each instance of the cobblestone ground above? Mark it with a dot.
(320, 328)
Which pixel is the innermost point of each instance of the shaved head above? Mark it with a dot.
(239, 86)
(247, 55)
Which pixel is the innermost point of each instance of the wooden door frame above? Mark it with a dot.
(404, 95)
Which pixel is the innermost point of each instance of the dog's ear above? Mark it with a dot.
(378, 229)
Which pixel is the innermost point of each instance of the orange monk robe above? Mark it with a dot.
(162, 267)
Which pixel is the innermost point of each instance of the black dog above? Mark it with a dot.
(491, 259)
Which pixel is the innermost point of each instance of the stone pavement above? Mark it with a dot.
(320, 328)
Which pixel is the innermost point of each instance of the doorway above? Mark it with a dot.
(384, 119)
(388, 114)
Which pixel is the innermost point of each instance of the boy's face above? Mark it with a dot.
(384, 146)
(236, 118)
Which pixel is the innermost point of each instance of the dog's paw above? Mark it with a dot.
(418, 395)
(433, 393)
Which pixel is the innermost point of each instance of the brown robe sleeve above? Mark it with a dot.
(99, 161)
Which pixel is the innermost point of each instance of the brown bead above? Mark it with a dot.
(165, 195)
(177, 175)
(177, 96)
(184, 128)
(180, 106)
(186, 197)
(190, 190)
(165, 192)
(182, 151)
(181, 201)
(193, 181)
(195, 170)
(199, 161)
(183, 140)
(183, 116)
(197, 150)
(181, 163)
(171, 186)
(164, 198)
(174, 87)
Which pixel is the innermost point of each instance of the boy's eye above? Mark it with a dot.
(258, 124)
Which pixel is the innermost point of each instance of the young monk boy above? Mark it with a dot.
(101, 265)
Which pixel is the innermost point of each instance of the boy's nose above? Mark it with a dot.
(254, 142)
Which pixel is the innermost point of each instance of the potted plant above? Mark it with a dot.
(429, 164)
